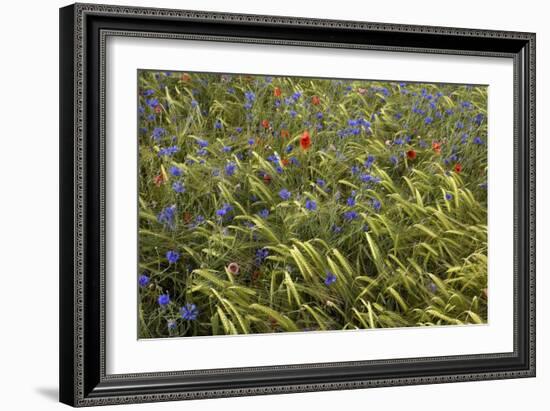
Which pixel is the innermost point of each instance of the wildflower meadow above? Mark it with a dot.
(289, 204)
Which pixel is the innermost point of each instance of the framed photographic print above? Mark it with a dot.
(262, 204)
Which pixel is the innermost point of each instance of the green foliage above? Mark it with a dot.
(413, 254)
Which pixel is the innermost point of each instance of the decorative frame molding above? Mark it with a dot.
(83, 32)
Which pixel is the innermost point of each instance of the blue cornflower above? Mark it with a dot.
(320, 182)
(218, 124)
(249, 95)
(143, 280)
(148, 92)
(478, 141)
(398, 141)
(369, 161)
(194, 103)
(166, 216)
(376, 205)
(350, 201)
(261, 255)
(202, 152)
(289, 148)
(172, 324)
(466, 104)
(296, 96)
(230, 168)
(158, 132)
(448, 196)
(428, 120)
(354, 170)
(336, 229)
(178, 187)
(478, 119)
(264, 213)
(319, 115)
(330, 278)
(350, 215)
(250, 141)
(367, 178)
(285, 194)
(202, 143)
(189, 312)
(172, 256)
(176, 171)
(293, 113)
(215, 172)
(311, 205)
(152, 102)
(294, 161)
(226, 149)
(366, 228)
(164, 300)
(394, 160)
(273, 158)
(459, 125)
(226, 208)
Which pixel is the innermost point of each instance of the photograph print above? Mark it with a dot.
(276, 204)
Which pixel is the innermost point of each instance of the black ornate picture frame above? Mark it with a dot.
(83, 32)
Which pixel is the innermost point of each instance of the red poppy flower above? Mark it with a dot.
(458, 167)
(265, 124)
(315, 100)
(277, 92)
(411, 154)
(285, 162)
(285, 134)
(267, 178)
(187, 217)
(158, 180)
(158, 109)
(305, 140)
(436, 147)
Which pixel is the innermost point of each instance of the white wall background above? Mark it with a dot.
(29, 205)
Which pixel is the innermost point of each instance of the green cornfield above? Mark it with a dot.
(285, 204)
